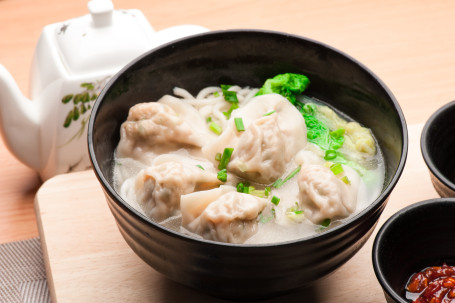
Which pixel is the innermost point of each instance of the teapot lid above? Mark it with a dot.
(104, 40)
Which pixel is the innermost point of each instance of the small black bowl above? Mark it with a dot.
(418, 236)
(438, 146)
(246, 58)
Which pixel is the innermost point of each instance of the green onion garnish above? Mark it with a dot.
(229, 96)
(244, 187)
(239, 124)
(267, 191)
(229, 112)
(218, 156)
(336, 168)
(215, 128)
(241, 187)
(225, 158)
(337, 133)
(263, 219)
(200, 166)
(257, 192)
(295, 214)
(330, 154)
(346, 180)
(275, 200)
(222, 175)
(326, 222)
(208, 119)
(269, 113)
(278, 183)
(216, 94)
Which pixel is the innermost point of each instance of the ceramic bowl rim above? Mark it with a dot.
(108, 189)
(425, 150)
(382, 234)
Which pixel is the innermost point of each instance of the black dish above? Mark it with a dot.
(418, 236)
(246, 58)
(437, 145)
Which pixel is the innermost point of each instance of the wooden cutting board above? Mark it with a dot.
(87, 259)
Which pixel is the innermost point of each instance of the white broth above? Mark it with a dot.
(167, 166)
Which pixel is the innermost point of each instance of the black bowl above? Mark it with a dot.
(246, 58)
(437, 144)
(418, 236)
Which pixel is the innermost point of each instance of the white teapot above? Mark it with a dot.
(73, 61)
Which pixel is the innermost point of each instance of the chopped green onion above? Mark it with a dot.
(278, 183)
(273, 212)
(295, 215)
(275, 200)
(215, 128)
(326, 222)
(337, 133)
(239, 124)
(346, 180)
(263, 219)
(241, 187)
(225, 158)
(216, 94)
(200, 166)
(269, 113)
(257, 192)
(330, 154)
(336, 168)
(222, 175)
(208, 119)
(229, 112)
(218, 156)
(229, 96)
(267, 191)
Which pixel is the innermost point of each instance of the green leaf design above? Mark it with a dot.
(68, 119)
(88, 85)
(75, 113)
(67, 98)
(77, 98)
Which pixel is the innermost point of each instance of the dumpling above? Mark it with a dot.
(323, 195)
(159, 187)
(222, 214)
(274, 132)
(257, 155)
(160, 125)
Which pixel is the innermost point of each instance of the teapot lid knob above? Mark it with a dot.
(101, 11)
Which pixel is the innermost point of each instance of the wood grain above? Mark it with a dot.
(408, 44)
(88, 260)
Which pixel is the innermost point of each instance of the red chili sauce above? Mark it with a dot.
(432, 285)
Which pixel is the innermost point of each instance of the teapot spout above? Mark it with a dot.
(19, 122)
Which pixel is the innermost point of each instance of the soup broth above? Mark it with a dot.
(254, 169)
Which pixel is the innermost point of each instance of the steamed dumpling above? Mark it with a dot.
(222, 214)
(159, 187)
(257, 155)
(159, 125)
(274, 132)
(323, 195)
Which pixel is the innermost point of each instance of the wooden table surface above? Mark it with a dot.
(409, 44)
